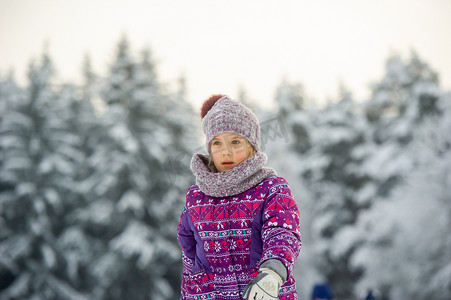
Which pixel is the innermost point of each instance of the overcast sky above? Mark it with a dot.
(220, 45)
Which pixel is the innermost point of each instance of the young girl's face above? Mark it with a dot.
(229, 150)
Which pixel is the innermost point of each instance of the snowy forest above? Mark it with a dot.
(93, 178)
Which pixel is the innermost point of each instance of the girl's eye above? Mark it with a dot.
(236, 142)
(216, 143)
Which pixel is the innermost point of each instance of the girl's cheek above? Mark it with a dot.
(216, 149)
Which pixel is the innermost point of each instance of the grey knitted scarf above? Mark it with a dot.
(244, 176)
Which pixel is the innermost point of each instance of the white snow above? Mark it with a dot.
(131, 201)
(135, 240)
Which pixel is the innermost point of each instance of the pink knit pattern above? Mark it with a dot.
(220, 235)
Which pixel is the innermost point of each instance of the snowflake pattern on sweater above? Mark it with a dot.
(224, 240)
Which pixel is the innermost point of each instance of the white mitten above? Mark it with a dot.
(265, 286)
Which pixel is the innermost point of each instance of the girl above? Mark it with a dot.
(239, 230)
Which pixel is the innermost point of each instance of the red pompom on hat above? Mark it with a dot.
(221, 114)
(208, 104)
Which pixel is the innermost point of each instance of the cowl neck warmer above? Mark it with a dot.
(244, 176)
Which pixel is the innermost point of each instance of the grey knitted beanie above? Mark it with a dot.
(227, 115)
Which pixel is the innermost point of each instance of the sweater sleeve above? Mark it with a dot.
(280, 231)
(185, 237)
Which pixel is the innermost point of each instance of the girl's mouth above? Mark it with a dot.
(227, 163)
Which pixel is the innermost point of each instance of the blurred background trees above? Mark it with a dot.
(93, 179)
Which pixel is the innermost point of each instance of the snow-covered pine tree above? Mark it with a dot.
(328, 171)
(130, 219)
(184, 127)
(285, 137)
(9, 95)
(81, 121)
(40, 154)
(409, 166)
(407, 255)
(406, 95)
(290, 98)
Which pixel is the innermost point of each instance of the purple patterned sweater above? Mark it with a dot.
(224, 240)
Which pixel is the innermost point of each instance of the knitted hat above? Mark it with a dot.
(222, 114)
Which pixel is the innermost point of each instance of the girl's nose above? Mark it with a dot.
(227, 150)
